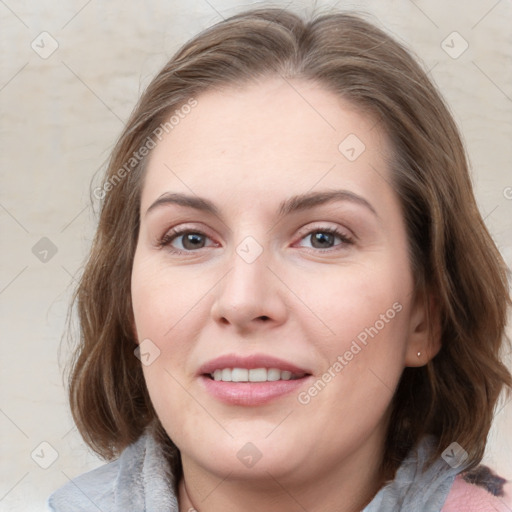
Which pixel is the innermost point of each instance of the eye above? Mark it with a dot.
(190, 240)
(323, 238)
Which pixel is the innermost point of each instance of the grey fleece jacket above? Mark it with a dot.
(136, 482)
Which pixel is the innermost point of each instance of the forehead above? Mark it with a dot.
(268, 138)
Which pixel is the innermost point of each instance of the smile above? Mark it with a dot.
(253, 375)
(251, 379)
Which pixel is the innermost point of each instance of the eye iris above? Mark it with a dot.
(194, 238)
(322, 237)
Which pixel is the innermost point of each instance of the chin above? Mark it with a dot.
(243, 458)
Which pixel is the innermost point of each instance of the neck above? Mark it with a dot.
(346, 487)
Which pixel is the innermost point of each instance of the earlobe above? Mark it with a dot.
(424, 332)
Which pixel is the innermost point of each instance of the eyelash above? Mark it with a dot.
(170, 236)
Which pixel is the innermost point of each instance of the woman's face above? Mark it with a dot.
(291, 256)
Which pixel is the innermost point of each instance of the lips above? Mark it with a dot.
(239, 391)
(250, 362)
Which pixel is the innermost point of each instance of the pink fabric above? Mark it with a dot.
(465, 497)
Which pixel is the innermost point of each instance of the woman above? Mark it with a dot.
(292, 302)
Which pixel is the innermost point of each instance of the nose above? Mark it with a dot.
(251, 294)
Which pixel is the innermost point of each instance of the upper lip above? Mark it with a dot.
(249, 362)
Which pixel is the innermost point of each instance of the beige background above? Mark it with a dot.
(60, 116)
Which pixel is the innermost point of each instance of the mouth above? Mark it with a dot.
(252, 380)
(253, 375)
(251, 368)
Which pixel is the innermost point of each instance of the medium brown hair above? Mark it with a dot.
(454, 259)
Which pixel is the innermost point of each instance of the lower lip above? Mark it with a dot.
(250, 393)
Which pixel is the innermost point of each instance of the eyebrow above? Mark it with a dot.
(291, 205)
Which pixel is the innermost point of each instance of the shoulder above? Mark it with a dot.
(469, 497)
(95, 488)
(105, 488)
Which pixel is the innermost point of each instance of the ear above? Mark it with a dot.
(424, 331)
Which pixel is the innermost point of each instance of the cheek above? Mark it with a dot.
(162, 315)
(171, 399)
(363, 360)
(350, 301)
(364, 330)
(162, 297)
(163, 307)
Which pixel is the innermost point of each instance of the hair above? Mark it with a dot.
(486, 478)
(455, 263)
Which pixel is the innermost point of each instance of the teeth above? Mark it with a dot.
(239, 374)
(257, 375)
(253, 375)
(273, 374)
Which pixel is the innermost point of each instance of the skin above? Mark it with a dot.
(247, 149)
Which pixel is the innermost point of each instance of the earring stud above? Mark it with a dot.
(419, 354)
